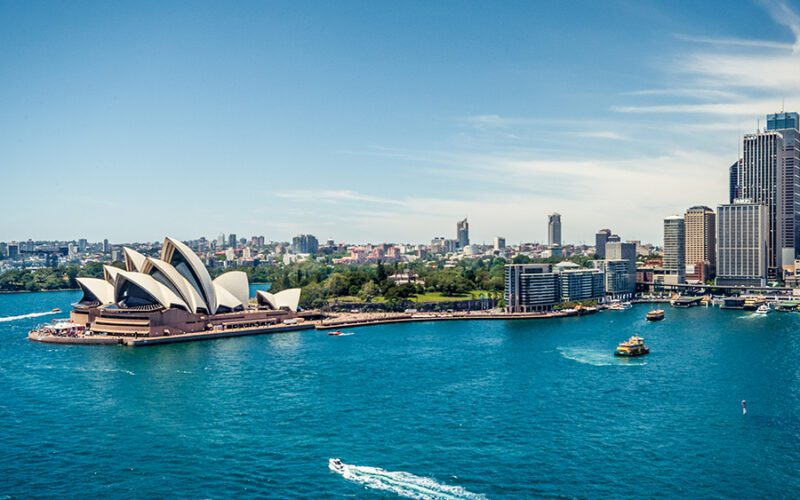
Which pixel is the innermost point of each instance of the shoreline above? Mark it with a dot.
(333, 322)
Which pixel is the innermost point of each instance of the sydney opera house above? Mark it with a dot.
(175, 295)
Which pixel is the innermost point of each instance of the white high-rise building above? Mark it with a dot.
(674, 250)
(742, 241)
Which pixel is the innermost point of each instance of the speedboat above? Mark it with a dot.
(336, 465)
(763, 309)
(632, 348)
(56, 310)
(335, 333)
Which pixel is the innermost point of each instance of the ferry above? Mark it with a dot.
(763, 309)
(633, 347)
(59, 328)
(619, 306)
(655, 315)
(752, 303)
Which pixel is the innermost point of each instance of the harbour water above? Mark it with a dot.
(452, 409)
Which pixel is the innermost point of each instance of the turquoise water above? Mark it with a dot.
(455, 409)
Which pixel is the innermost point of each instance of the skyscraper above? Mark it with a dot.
(733, 181)
(742, 234)
(600, 240)
(232, 240)
(462, 233)
(554, 229)
(499, 243)
(674, 250)
(617, 250)
(787, 125)
(305, 243)
(761, 181)
(700, 225)
(106, 246)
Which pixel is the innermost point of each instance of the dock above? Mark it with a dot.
(169, 339)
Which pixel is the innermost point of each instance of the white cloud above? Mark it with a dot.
(740, 42)
(603, 134)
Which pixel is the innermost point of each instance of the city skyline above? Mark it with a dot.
(215, 114)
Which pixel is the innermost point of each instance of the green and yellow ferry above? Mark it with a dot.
(631, 348)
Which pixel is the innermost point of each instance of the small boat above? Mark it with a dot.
(336, 465)
(56, 310)
(655, 315)
(631, 348)
(335, 333)
(763, 309)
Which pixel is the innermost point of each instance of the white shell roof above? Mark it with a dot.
(110, 273)
(102, 290)
(133, 259)
(207, 290)
(236, 283)
(159, 292)
(289, 298)
(226, 298)
(185, 289)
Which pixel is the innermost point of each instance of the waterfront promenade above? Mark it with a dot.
(330, 322)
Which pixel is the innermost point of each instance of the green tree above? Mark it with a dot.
(368, 292)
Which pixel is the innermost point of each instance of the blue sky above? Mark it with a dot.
(379, 121)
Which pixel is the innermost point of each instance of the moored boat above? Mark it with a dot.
(763, 309)
(632, 348)
(753, 302)
(655, 315)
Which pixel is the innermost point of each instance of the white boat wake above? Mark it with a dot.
(24, 316)
(400, 483)
(595, 357)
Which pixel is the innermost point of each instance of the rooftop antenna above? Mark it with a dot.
(783, 104)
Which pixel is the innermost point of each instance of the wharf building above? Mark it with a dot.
(539, 287)
(554, 230)
(174, 295)
(701, 237)
(742, 244)
(674, 263)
